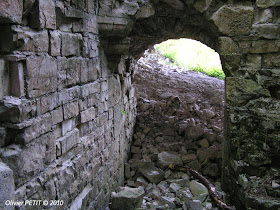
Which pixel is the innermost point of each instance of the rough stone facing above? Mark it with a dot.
(6, 186)
(70, 65)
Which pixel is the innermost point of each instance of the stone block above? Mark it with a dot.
(90, 47)
(43, 15)
(74, 13)
(30, 40)
(242, 16)
(47, 103)
(11, 11)
(57, 116)
(68, 95)
(264, 16)
(167, 158)
(267, 31)
(88, 115)
(17, 79)
(7, 187)
(41, 66)
(127, 198)
(146, 10)
(267, 3)
(55, 42)
(40, 86)
(114, 26)
(240, 90)
(39, 126)
(253, 62)
(17, 110)
(70, 110)
(231, 64)
(67, 126)
(90, 89)
(265, 46)
(202, 5)
(73, 71)
(70, 44)
(152, 173)
(227, 46)
(90, 23)
(271, 60)
(90, 69)
(68, 141)
(34, 158)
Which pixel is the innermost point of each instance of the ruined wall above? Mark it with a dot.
(63, 130)
(65, 76)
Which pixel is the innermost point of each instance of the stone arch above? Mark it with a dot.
(246, 35)
(65, 77)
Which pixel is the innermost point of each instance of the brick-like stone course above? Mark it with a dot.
(57, 133)
(66, 72)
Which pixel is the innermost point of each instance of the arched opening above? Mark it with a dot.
(179, 119)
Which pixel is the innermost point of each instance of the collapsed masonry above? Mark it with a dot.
(66, 71)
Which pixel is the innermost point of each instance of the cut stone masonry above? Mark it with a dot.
(66, 76)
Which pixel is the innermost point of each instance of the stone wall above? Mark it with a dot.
(63, 131)
(66, 70)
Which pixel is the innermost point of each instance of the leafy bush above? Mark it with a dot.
(192, 55)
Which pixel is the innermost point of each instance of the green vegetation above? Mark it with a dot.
(192, 55)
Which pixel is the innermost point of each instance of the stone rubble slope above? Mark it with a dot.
(179, 120)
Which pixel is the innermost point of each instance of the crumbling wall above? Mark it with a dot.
(66, 72)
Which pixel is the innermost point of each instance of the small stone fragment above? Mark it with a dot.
(152, 173)
(128, 198)
(166, 158)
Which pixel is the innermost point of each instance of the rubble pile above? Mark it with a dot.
(179, 120)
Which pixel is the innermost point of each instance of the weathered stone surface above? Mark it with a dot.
(11, 11)
(127, 198)
(166, 158)
(188, 158)
(267, 31)
(227, 46)
(202, 5)
(44, 15)
(267, 3)
(71, 44)
(152, 173)
(55, 42)
(242, 16)
(41, 74)
(67, 142)
(194, 133)
(271, 60)
(29, 40)
(146, 10)
(7, 188)
(70, 110)
(198, 190)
